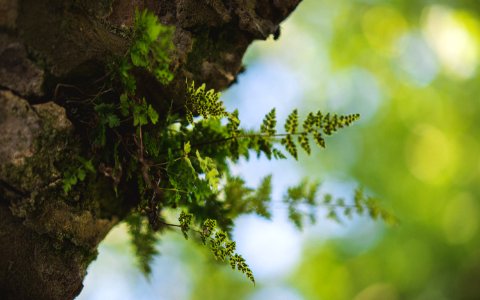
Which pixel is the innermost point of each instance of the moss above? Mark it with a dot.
(80, 217)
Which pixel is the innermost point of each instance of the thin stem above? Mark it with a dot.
(174, 190)
(244, 136)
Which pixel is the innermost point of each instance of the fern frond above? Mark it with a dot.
(143, 240)
(152, 45)
(185, 220)
(269, 123)
(303, 140)
(291, 147)
(221, 246)
(204, 103)
(292, 122)
(262, 197)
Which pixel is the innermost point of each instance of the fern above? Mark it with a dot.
(152, 46)
(243, 199)
(77, 173)
(301, 196)
(143, 240)
(183, 162)
(185, 220)
(292, 122)
(220, 245)
(302, 201)
(269, 123)
(363, 203)
(202, 102)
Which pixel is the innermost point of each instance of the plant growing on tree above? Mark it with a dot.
(179, 162)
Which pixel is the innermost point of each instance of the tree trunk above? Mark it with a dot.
(54, 52)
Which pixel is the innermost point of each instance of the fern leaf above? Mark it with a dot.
(303, 140)
(204, 103)
(319, 140)
(143, 240)
(269, 123)
(262, 197)
(277, 154)
(185, 220)
(292, 122)
(290, 146)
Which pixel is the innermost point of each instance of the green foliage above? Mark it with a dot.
(185, 220)
(302, 196)
(364, 203)
(204, 103)
(259, 201)
(302, 201)
(249, 200)
(193, 182)
(269, 123)
(143, 240)
(220, 245)
(150, 49)
(313, 126)
(183, 164)
(152, 46)
(77, 173)
(107, 118)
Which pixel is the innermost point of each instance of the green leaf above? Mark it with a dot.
(207, 229)
(269, 123)
(113, 121)
(185, 220)
(262, 197)
(152, 114)
(187, 148)
(153, 30)
(139, 116)
(207, 104)
(303, 140)
(88, 164)
(277, 154)
(124, 104)
(290, 146)
(143, 240)
(292, 122)
(213, 179)
(81, 174)
(319, 140)
(137, 58)
(208, 166)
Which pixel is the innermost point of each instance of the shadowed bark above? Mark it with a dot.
(55, 51)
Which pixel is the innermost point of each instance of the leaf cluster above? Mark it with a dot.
(76, 173)
(143, 240)
(152, 46)
(204, 103)
(220, 245)
(182, 161)
(303, 200)
(151, 49)
(315, 126)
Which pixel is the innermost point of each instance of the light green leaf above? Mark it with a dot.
(187, 148)
(81, 174)
(113, 121)
(152, 114)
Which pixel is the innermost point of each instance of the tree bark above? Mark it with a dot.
(55, 51)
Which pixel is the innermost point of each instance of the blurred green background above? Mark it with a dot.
(410, 69)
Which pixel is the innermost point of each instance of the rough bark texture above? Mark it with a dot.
(53, 50)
